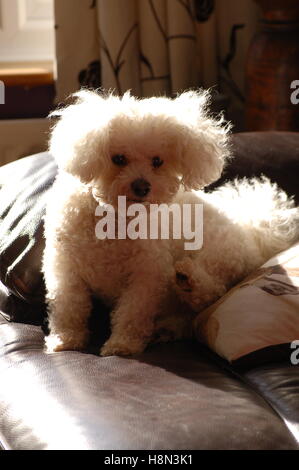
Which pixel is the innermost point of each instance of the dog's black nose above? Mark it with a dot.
(141, 187)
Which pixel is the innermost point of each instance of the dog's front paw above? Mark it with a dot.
(120, 347)
(56, 343)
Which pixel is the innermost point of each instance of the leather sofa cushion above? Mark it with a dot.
(273, 153)
(24, 188)
(170, 397)
(279, 385)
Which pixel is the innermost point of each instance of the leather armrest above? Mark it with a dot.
(273, 154)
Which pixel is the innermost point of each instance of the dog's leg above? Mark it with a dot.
(133, 319)
(69, 305)
(195, 285)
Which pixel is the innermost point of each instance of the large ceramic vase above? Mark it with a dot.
(272, 71)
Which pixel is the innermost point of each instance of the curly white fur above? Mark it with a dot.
(151, 285)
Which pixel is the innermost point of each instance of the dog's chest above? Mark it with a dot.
(107, 264)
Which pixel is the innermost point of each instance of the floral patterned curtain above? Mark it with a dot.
(154, 46)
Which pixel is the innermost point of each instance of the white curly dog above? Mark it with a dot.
(151, 151)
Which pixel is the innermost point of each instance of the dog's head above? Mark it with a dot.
(144, 149)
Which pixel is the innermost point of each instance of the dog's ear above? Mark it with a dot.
(78, 139)
(204, 140)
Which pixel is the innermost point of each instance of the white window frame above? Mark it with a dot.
(27, 31)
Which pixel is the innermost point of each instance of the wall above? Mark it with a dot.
(22, 137)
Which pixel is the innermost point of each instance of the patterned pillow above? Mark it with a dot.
(260, 312)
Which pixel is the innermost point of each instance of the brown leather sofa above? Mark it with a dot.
(173, 396)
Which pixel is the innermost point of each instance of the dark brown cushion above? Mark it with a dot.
(274, 154)
(24, 187)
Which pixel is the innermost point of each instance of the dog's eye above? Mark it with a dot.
(156, 161)
(119, 160)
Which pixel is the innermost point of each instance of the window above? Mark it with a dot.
(27, 51)
(27, 31)
(27, 91)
